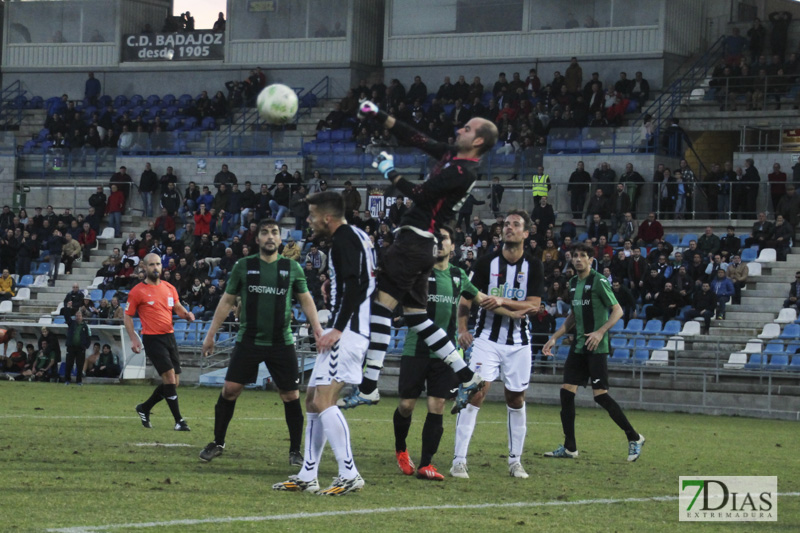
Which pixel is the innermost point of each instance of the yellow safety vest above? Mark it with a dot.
(539, 187)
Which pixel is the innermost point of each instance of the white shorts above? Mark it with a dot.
(490, 359)
(343, 363)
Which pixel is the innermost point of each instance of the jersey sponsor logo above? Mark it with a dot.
(587, 287)
(521, 277)
(585, 301)
(283, 273)
(254, 272)
(150, 303)
(431, 279)
(263, 289)
(457, 280)
(440, 298)
(507, 291)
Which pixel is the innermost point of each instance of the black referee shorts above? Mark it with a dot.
(582, 369)
(281, 363)
(416, 372)
(162, 350)
(405, 267)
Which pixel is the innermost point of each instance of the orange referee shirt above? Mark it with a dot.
(154, 304)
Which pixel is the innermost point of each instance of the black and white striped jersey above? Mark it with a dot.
(495, 276)
(351, 268)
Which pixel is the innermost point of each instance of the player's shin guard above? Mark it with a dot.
(380, 324)
(465, 426)
(223, 413)
(157, 396)
(171, 395)
(315, 442)
(436, 339)
(294, 420)
(616, 414)
(431, 436)
(568, 419)
(401, 426)
(517, 429)
(338, 433)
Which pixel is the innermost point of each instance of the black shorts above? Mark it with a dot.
(281, 363)
(162, 350)
(584, 368)
(405, 268)
(416, 372)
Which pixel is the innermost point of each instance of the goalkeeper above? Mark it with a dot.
(403, 275)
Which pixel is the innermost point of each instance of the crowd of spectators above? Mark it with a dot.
(526, 111)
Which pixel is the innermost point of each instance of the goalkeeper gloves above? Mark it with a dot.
(385, 165)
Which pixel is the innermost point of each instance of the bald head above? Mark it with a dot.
(152, 266)
(477, 137)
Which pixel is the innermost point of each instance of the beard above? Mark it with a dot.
(268, 251)
(153, 275)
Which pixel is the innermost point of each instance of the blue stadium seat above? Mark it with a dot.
(635, 325)
(756, 362)
(42, 269)
(296, 234)
(324, 135)
(136, 100)
(640, 357)
(109, 294)
(778, 362)
(686, 238)
(583, 236)
(96, 295)
(653, 327)
(795, 365)
(620, 356)
(168, 99)
(59, 319)
(656, 344)
(636, 342)
(617, 327)
(209, 124)
(26, 281)
(560, 321)
(323, 147)
(748, 254)
(324, 160)
(562, 353)
(790, 331)
(672, 327)
(152, 100)
(774, 348)
(618, 342)
(672, 238)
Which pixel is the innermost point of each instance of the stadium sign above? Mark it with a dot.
(728, 498)
(189, 46)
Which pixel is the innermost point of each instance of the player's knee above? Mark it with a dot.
(515, 400)
(289, 396)
(436, 405)
(601, 397)
(406, 406)
(231, 391)
(571, 388)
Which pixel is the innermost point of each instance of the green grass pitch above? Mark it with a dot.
(73, 458)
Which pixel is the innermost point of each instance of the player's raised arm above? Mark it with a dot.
(405, 134)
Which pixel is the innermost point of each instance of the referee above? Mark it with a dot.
(156, 300)
(266, 282)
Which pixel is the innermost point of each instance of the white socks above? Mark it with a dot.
(465, 426)
(315, 442)
(338, 434)
(517, 428)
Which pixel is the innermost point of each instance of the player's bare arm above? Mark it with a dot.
(594, 338)
(224, 307)
(464, 305)
(136, 342)
(511, 308)
(181, 311)
(568, 324)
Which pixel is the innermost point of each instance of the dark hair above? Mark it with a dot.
(583, 247)
(526, 218)
(449, 230)
(329, 202)
(264, 222)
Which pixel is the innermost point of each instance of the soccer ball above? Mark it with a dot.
(277, 104)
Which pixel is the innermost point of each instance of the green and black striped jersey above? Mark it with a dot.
(591, 299)
(266, 290)
(445, 288)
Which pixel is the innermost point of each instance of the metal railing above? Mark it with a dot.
(11, 105)
(740, 93)
(778, 138)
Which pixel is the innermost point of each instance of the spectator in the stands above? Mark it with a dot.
(650, 231)
(352, 199)
(708, 243)
(597, 229)
(123, 181)
(45, 364)
(114, 209)
(75, 296)
(164, 224)
(666, 305)
(543, 214)
(578, 188)
(781, 239)
(777, 185)
(55, 246)
(107, 365)
(723, 289)
(281, 197)
(98, 201)
(205, 198)
(789, 206)
(793, 300)
(704, 305)
(7, 286)
(148, 185)
(70, 252)
(417, 91)
(651, 285)
(730, 244)
(170, 200)
(761, 233)
(620, 204)
(598, 205)
(202, 222)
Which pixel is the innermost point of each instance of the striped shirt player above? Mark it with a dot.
(266, 283)
(407, 263)
(591, 298)
(351, 269)
(513, 281)
(155, 301)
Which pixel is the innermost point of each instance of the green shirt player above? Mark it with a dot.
(266, 284)
(591, 298)
(420, 369)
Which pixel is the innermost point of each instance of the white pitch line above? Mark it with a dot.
(379, 510)
(163, 444)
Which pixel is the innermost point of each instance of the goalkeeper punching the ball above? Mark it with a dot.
(403, 275)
